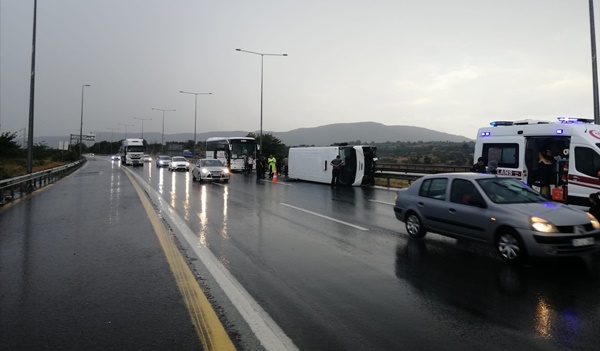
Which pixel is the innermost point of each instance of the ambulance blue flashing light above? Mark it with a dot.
(559, 131)
(501, 123)
(569, 120)
(485, 134)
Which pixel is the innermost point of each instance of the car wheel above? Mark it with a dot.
(414, 227)
(225, 180)
(510, 246)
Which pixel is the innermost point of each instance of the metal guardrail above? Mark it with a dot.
(412, 172)
(420, 168)
(13, 188)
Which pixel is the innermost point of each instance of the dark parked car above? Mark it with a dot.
(498, 210)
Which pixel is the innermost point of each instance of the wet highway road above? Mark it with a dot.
(334, 269)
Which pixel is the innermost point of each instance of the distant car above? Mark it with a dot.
(179, 163)
(498, 210)
(163, 161)
(210, 169)
(147, 158)
(91, 155)
(115, 158)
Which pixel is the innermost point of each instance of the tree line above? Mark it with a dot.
(13, 155)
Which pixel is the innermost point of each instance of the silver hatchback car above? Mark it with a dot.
(498, 210)
(210, 169)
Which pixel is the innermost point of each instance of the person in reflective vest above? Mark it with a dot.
(272, 161)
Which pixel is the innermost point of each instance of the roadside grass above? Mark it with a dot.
(393, 183)
(18, 167)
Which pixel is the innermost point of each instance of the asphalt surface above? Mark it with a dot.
(81, 269)
(331, 267)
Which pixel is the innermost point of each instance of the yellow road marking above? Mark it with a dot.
(211, 332)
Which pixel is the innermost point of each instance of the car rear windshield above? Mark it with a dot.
(509, 191)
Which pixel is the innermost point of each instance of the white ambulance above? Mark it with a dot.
(574, 143)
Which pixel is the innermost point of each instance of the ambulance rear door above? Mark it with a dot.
(584, 166)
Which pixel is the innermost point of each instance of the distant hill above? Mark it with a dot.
(366, 132)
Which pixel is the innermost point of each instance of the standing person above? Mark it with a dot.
(260, 167)
(250, 165)
(492, 167)
(595, 208)
(337, 165)
(272, 161)
(285, 166)
(546, 171)
(479, 167)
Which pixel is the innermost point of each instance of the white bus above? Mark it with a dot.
(313, 164)
(232, 151)
(574, 143)
(132, 152)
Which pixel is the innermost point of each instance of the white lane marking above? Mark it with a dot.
(322, 216)
(383, 202)
(270, 335)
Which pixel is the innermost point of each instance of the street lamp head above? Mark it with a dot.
(284, 54)
(238, 49)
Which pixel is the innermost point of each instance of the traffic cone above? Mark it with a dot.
(274, 176)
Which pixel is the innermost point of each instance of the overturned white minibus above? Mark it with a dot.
(313, 164)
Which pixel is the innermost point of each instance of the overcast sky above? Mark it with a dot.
(447, 65)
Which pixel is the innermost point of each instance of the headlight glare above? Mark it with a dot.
(542, 225)
(594, 221)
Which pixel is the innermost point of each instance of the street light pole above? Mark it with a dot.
(81, 124)
(195, 114)
(594, 66)
(143, 119)
(163, 125)
(112, 130)
(32, 93)
(262, 56)
(126, 125)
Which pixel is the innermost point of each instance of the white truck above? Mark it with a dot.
(313, 164)
(132, 152)
(574, 143)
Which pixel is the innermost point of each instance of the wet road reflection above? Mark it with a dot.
(335, 286)
(115, 191)
(553, 300)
